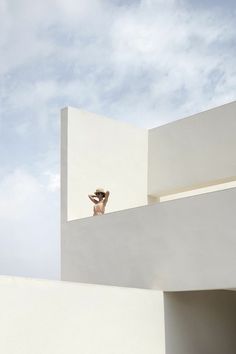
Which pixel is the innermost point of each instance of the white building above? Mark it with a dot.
(157, 273)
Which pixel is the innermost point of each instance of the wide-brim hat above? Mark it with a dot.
(100, 190)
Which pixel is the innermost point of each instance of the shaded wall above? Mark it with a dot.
(200, 322)
(193, 152)
(184, 244)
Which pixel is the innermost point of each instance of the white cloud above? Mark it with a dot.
(29, 225)
(180, 49)
(53, 181)
(152, 61)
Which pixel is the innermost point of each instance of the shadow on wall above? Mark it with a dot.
(200, 322)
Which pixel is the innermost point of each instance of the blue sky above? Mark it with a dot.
(146, 62)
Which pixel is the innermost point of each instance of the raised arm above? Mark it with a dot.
(106, 197)
(92, 197)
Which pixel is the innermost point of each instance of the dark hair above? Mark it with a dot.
(103, 194)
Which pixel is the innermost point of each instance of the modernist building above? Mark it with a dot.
(156, 274)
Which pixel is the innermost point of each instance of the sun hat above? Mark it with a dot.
(100, 190)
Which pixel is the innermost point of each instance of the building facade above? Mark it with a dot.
(156, 273)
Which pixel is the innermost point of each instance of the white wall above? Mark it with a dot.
(48, 317)
(184, 244)
(149, 247)
(193, 152)
(101, 152)
(200, 322)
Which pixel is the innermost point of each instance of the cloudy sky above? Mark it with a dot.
(147, 62)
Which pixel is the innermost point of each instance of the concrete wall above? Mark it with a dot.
(39, 316)
(101, 152)
(202, 322)
(184, 244)
(193, 152)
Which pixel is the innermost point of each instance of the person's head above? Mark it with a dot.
(100, 193)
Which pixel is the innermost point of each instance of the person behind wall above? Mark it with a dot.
(99, 198)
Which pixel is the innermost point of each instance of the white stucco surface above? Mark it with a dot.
(193, 152)
(200, 322)
(40, 316)
(105, 153)
(184, 244)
